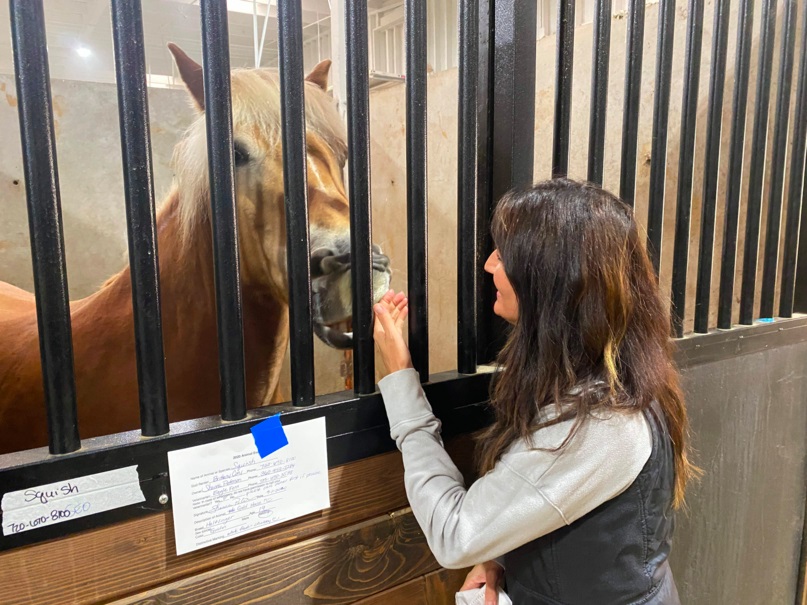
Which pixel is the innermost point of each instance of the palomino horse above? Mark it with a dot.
(103, 333)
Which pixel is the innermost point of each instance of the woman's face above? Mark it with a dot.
(506, 305)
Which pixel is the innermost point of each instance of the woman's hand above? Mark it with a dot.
(390, 313)
(488, 574)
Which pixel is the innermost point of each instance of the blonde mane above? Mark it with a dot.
(256, 108)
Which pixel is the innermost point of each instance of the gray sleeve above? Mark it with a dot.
(502, 510)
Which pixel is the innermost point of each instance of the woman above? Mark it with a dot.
(587, 456)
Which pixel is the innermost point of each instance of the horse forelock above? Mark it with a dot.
(256, 108)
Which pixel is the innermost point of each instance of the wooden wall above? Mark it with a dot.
(366, 548)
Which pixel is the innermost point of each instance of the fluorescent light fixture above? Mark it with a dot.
(83, 52)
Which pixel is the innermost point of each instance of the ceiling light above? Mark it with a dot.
(83, 52)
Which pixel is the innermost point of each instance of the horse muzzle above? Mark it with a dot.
(332, 293)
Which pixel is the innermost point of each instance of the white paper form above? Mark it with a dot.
(224, 489)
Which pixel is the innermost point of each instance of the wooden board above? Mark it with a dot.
(435, 588)
(134, 556)
(338, 568)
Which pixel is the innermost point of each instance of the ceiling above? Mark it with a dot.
(85, 24)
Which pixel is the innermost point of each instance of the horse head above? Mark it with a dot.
(259, 190)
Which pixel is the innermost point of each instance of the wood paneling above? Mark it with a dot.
(338, 568)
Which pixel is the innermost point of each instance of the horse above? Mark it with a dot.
(102, 323)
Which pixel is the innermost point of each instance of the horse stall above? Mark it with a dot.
(153, 446)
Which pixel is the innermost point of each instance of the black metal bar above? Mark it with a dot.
(295, 179)
(487, 326)
(633, 89)
(661, 112)
(800, 289)
(563, 88)
(45, 222)
(796, 186)
(467, 255)
(777, 173)
(361, 224)
(742, 63)
(689, 116)
(138, 183)
(599, 90)
(759, 146)
(703, 287)
(512, 133)
(416, 202)
(219, 121)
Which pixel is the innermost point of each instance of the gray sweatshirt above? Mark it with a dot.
(528, 494)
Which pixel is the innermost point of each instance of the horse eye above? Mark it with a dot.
(240, 154)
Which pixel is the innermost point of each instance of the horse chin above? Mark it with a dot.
(333, 337)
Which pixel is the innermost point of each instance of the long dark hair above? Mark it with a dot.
(592, 330)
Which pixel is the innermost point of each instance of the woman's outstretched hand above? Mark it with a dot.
(488, 574)
(390, 313)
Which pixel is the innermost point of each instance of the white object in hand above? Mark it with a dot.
(476, 596)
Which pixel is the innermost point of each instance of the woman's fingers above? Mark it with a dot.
(475, 578)
(400, 319)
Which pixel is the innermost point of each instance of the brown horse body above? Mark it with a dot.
(104, 353)
(103, 329)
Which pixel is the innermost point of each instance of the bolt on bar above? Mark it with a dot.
(416, 202)
(689, 116)
(633, 89)
(358, 137)
(219, 121)
(777, 175)
(745, 26)
(796, 187)
(661, 112)
(599, 91)
(703, 286)
(292, 104)
(758, 152)
(127, 30)
(45, 222)
(563, 88)
(467, 255)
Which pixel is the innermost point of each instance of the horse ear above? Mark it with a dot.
(191, 73)
(319, 75)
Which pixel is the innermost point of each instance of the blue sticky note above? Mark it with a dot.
(269, 436)
(765, 320)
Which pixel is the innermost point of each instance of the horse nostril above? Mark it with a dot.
(318, 260)
(381, 262)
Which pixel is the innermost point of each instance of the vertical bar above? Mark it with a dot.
(512, 132)
(45, 222)
(468, 16)
(777, 176)
(633, 89)
(416, 203)
(358, 137)
(292, 104)
(661, 112)
(599, 90)
(758, 153)
(800, 291)
(563, 88)
(796, 187)
(703, 287)
(127, 30)
(219, 122)
(745, 26)
(689, 115)
(487, 328)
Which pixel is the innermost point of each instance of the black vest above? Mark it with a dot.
(614, 555)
